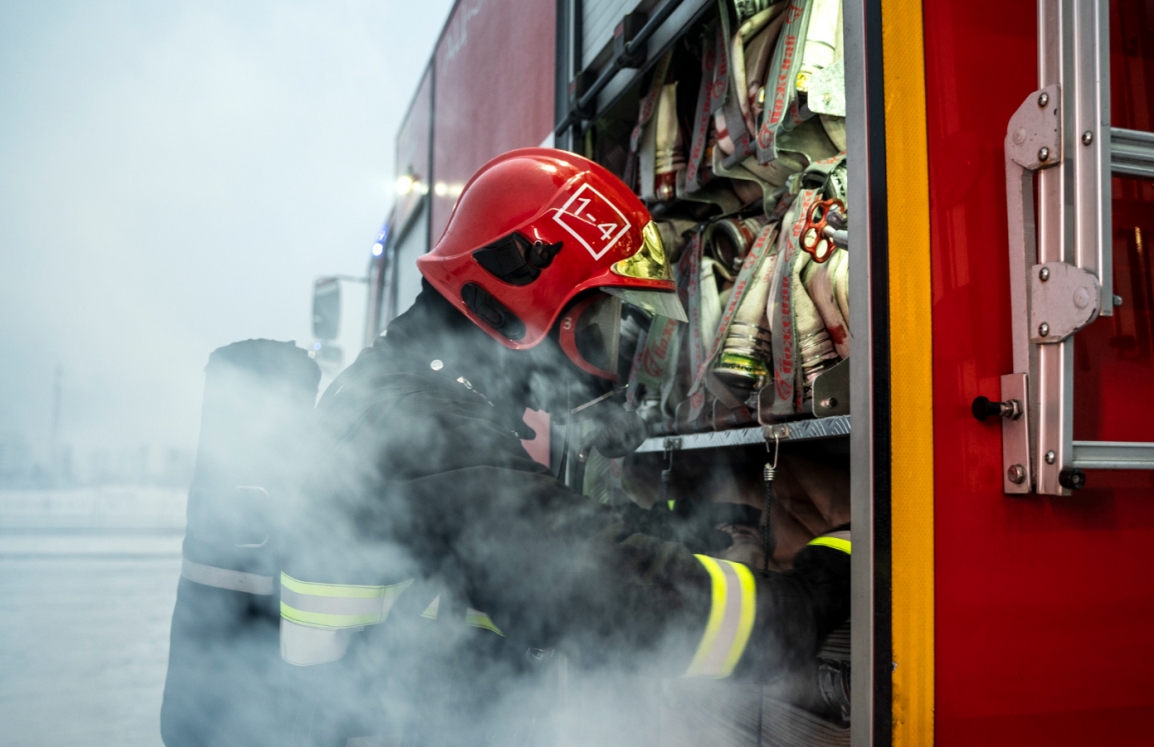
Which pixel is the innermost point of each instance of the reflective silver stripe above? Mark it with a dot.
(337, 605)
(222, 578)
(731, 617)
(305, 646)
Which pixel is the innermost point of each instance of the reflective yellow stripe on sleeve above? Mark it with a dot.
(835, 540)
(731, 616)
(477, 619)
(336, 606)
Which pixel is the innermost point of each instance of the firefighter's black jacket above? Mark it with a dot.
(421, 475)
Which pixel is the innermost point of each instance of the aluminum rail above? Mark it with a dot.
(1113, 455)
(1132, 152)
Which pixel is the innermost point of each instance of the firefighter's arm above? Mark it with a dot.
(740, 621)
(549, 566)
(548, 576)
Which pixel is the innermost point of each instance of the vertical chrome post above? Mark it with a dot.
(861, 207)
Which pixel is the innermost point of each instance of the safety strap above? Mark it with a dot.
(786, 353)
(336, 606)
(786, 62)
(224, 578)
(697, 323)
(732, 134)
(731, 617)
(834, 540)
(687, 268)
(703, 113)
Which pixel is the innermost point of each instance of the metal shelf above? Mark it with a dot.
(798, 430)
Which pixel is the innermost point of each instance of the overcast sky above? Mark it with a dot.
(173, 175)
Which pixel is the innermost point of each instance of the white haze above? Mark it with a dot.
(173, 175)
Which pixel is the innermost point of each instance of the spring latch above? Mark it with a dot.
(769, 472)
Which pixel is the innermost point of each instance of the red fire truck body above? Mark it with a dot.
(994, 604)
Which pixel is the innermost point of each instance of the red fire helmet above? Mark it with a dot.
(532, 230)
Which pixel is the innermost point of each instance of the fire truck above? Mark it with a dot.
(946, 208)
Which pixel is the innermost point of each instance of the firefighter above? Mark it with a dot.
(431, 552)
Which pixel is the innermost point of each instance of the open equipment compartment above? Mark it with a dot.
(728, 120)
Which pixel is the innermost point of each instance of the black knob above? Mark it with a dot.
(983, 408)
(1072, 478)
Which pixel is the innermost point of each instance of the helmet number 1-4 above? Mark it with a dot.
(593, 220)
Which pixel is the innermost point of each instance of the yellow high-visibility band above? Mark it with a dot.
(337, 606)
(348, 591)
(835, 542)
(731, 616)
(323, 620)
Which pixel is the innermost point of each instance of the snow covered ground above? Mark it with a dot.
(87, 583)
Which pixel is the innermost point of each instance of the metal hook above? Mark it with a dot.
(777, 442)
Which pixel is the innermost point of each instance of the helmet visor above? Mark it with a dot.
(590, 333)
(648, 262)
(655, 302)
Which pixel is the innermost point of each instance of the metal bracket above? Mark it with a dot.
(831, 391)
(1016, 474)
(1033, 141)
(1063, 300)
(1033, 138)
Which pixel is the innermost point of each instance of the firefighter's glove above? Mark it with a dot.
(617, 432)
(664, 524)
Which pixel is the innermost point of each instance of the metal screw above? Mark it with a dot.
(436, 365)
(1117, 300)
(1016, 474)
(1044, 274)
(1051, 457)
(1044, 100)
(1087, 137)
(1044, 154)
(1043, 329)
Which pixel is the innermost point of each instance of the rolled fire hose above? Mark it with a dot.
(818, 281)
(814, 343)
(745, 32)
(821, 40)
(669, 151)
(744, 362)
